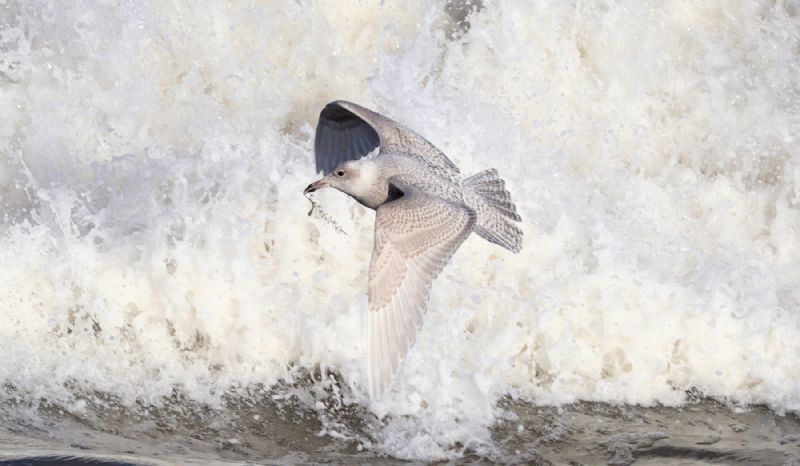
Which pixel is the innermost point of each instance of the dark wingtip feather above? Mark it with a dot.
(341, 135)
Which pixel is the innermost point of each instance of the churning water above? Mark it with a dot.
(164, 295)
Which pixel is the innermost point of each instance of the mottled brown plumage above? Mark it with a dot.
(424, 212)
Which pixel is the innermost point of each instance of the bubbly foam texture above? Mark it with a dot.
(154, 233)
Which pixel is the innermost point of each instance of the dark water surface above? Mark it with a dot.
(264, 431)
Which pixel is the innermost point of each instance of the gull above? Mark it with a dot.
(424, 211)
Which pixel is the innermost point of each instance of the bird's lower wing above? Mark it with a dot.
(415, 236)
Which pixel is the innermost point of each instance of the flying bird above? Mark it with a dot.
(424, 211)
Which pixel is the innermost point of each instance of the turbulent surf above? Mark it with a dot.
(156, 259)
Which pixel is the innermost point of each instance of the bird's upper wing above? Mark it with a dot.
(415, 236)
(347, 131)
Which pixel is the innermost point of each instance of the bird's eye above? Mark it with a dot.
(340, 173)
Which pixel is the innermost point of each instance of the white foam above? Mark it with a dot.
(154, 232)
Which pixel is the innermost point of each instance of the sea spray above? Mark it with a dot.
(164, 146)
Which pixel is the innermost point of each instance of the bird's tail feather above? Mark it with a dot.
(495, 219)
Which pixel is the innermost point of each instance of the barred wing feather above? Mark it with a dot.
(415, 236)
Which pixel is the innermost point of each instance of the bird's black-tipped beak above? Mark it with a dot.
(315, 186)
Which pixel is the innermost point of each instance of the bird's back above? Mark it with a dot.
(428, 178)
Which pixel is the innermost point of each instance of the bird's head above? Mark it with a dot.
(353, 177)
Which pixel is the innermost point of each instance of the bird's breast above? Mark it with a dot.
(373, 198)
